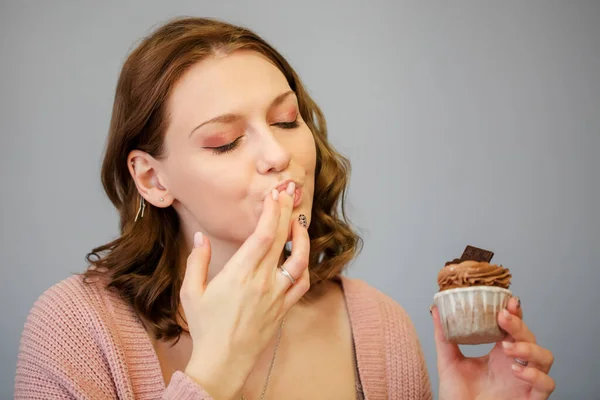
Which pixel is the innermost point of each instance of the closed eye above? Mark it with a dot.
(226, 148)
(231, 146)
(287, 125)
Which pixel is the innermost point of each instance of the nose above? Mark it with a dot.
(273, 156)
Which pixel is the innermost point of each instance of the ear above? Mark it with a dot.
(147, 175)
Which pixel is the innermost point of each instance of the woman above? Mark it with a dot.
(217, 157)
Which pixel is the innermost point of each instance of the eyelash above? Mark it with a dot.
(226, 148)
(233, 145)
(288, 125)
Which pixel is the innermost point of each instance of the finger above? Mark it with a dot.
(447, 352)
(515, 327)
(514, 307)
(298, 260)
(195, 277)
(542, 385)
(260, 241)
(530, 352)
(296, 291)
(286, 202)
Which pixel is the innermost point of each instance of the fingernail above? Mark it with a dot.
(518, 302)
(198, 239)
(506, 314)
(291, 188)
(275, 194)
(431, 309)
(517, 367)
(302, 220)
(508, 345)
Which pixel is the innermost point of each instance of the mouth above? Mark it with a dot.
(297, 192)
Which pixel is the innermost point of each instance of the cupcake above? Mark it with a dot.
(472, 292)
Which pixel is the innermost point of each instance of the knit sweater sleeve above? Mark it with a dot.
(183, 387)
(67, 351)
(405, 357)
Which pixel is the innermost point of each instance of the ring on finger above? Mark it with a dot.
(522, 362)
(290, 277)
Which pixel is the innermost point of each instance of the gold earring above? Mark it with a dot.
(140, 213)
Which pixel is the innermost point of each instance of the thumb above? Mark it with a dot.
(196, 269)
(447, 353)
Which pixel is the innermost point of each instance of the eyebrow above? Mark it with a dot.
(229, 118)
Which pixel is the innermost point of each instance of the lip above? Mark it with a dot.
(297, 193)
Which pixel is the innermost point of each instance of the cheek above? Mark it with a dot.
(207, 187)
(305, 151)
(214, 196)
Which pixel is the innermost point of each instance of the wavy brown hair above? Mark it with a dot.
(140, 265)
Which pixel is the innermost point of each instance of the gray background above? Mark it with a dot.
(466, 122)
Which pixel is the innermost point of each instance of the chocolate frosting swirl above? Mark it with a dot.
(460, 274)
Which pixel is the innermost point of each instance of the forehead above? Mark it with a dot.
(235, 83)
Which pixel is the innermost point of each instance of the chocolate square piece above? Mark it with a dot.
(477, 254)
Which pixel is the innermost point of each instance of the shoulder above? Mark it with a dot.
(73, 287)
(68, 314)
(64, 340)
(67, 305)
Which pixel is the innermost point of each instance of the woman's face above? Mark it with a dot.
(235, 133)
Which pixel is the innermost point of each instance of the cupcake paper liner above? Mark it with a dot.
(470, 315)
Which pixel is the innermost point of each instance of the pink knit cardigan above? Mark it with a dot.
(82, 341)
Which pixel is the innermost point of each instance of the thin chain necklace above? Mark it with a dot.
(264, 391)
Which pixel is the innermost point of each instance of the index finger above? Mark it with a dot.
(271, 259)
(515, 327)
(260, 241)
(298, 261)
(514, 306)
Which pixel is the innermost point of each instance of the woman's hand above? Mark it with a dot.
(496, 375)
(232, 319)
